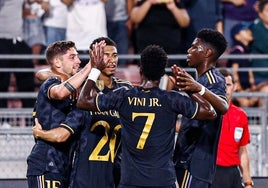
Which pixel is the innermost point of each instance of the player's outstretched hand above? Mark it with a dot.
(184, 80)
(97, 55)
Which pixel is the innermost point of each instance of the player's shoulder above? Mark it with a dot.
(122, 82)
(213, 76)
(52, 80)
(213, 80)
(46, 85)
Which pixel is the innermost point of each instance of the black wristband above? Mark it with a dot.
(69, 87)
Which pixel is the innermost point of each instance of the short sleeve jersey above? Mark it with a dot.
(99, 143)
(234, 134)
(148, 118)
(196, 147)
(54, 157)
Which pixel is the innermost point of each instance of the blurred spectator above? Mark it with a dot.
(86, 21)
(242, 37)
(55, 21)
(203, 14)
(260, 46)
(119, 25)
(132, 74)
(234, 12)
(33, 30)
(11, 42)
(159, 22)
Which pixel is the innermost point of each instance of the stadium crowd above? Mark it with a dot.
(31, 25)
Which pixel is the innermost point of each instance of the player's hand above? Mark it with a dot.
(97, 55)
(185, 81)
(36, 128)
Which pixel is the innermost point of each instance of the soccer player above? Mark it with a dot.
(148, 116)
(97, 161)
(49, 164)
(197, 141)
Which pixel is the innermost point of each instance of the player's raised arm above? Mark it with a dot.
(85, 100)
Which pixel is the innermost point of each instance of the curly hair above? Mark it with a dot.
(153, 62)
(215, 39)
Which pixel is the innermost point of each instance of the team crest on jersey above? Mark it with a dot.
(238, 133)
(100, 84)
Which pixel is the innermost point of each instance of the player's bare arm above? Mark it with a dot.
(57, 135)
(70, 85)
(85, 99)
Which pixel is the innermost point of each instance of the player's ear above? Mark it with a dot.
(208, 52)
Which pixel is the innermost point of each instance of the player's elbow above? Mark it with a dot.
(224, 107)
(61, 137)
(205, 114)
(87, 106)
(86, 103)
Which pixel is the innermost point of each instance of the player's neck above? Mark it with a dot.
(150, 83)
(204, 68)
(108, 80)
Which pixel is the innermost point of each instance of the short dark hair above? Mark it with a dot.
(215, 39)
(225, 72)
(107, 40)
(153, 62)
(57, 49)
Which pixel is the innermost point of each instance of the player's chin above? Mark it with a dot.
(75, 70)
(111, 70)
(110, 73)
(188, 61)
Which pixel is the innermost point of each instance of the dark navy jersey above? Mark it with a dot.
(54, 157)
(98, 146)
(197, 141)
(148, 118)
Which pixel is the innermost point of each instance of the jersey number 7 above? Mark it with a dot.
(147, 127)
